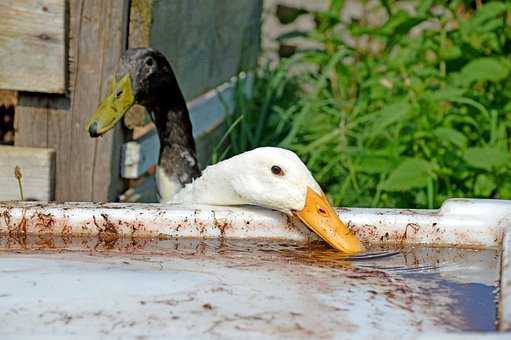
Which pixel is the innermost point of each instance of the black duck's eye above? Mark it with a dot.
(277, 170)
(149, 61)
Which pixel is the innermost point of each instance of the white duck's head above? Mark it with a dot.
(274, 178)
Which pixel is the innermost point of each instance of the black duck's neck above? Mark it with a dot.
(177, 147)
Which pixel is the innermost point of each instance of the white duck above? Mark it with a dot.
(274, 178)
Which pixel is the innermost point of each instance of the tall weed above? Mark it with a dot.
(405, 113)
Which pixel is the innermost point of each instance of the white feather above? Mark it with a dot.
(247, 179)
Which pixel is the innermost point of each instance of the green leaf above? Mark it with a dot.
(371, 164)
(486, 157)
(452, 52)
(505, 190)
(388, 7)
(451, 135)
(487, 19)
(411, 173)
(471, 102)
(336, 6)
(424, 6)
(488, 11)
(399, 24)
(444, 94)
(389, 114)
(484, 185)
(482, 69)
(421, 199)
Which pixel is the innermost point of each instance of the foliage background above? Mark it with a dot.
(406, 112)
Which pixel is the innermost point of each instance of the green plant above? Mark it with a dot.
(259, 101)
(403, 113)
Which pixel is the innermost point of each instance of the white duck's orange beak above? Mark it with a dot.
(319, 216)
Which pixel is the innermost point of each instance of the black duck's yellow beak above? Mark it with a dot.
(319, 216)
(117, 102)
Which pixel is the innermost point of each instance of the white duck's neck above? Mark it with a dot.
(213, 187)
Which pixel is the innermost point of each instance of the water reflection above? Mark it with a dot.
(457, 287)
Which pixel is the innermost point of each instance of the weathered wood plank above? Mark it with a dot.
(140, 23)
(37, 167)
(87, 169)
(8, 98)
(207, 42)
(32, 45)
(107, 158)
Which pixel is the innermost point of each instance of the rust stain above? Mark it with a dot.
(384, 237)
(19, 230)
(414, 227)
(289, 222)
(366, 231)
(45, 241)
(108, 234)
(17, 234)
(66, 232)
(162, 237)
(108, 226)
(43, 222)
(7, 218)
(221, 225)
(85, 227)
(134, 226)
(407, 212)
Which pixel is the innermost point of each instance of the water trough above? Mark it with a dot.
(157, 270)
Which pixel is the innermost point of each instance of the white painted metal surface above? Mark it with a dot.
(114, 283)
(505, 285)
(473, 223)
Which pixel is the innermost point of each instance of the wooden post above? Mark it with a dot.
(86, 169)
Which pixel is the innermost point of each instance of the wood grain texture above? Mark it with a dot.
(37, 167)
(32, 45)
(8, 98)
(141, 12)
(207, 42)
(86, 169)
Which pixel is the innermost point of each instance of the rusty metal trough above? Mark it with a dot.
(127, 270)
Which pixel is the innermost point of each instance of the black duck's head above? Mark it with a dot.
(143, 76)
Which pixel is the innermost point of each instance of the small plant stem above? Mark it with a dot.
(431, 194)
(19, 176)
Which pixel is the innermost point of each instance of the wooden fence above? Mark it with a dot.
(204, 40)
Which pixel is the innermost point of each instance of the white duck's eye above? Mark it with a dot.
(277, 170)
